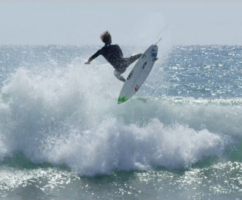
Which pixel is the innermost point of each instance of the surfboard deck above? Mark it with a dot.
(139, 74)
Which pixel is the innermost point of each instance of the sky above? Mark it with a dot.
(79, 22)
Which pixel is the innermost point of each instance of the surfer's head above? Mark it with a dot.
(106, 37)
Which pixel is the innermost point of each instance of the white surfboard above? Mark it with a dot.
(139, 74)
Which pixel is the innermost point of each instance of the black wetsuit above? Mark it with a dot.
(114, 55)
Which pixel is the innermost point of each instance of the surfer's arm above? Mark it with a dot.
(120, 51)
(94, 56)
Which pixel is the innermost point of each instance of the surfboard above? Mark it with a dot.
(139, 74)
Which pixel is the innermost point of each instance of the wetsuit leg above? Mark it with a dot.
(133, 58)
(126, 62)
(118, 75)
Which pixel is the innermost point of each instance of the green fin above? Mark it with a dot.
(122, 99)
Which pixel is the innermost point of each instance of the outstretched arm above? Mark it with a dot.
(93, 57)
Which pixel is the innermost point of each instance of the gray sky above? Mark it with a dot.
(81, 22)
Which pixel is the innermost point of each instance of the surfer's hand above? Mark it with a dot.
(87, 62)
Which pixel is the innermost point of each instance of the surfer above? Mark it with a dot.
(114, 55)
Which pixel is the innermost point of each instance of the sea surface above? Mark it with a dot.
(63, 136)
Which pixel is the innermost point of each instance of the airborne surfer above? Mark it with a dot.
(114, 55)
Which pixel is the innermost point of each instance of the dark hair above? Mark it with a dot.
(106, 37)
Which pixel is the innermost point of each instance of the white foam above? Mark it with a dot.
(114, 146)
(63, 116)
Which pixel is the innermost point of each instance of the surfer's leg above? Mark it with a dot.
(118, 75)
(133, 58)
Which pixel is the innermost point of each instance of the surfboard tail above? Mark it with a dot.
(122, 99)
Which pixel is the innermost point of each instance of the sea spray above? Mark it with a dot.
(54, 117)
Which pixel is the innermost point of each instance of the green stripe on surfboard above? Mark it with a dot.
(122, 99)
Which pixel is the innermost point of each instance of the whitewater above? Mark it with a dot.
(63, 135)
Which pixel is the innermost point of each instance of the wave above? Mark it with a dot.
(70, 116)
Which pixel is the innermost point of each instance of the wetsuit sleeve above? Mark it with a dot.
(98, 53)
(120, 51)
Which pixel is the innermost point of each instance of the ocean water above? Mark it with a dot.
(63, 135)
